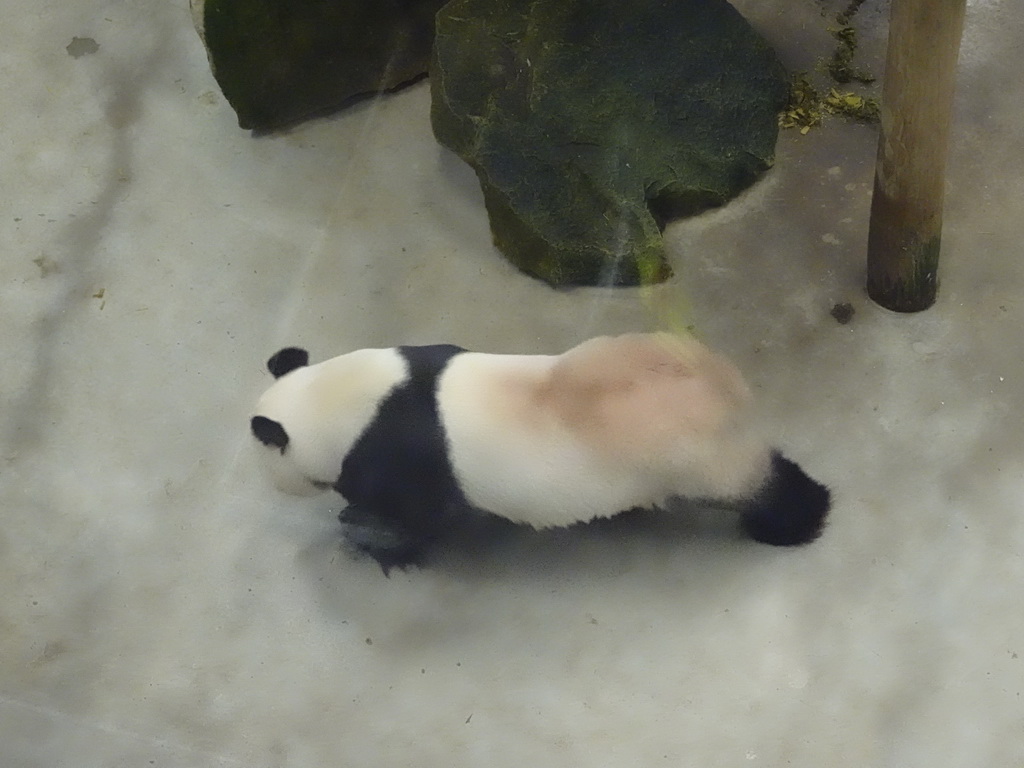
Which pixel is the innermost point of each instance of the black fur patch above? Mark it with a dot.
(790, 509)
(398, 469)
(269, 432)
(387, 542)
(287, 360)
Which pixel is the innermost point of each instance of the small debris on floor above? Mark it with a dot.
(843, 313)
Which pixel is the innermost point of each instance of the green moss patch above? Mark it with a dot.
(590, 123)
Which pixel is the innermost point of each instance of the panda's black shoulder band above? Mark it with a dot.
(399, 467)
(427, 362)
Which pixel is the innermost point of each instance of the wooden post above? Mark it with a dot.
(917, 99)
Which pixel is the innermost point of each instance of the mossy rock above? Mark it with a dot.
(590, 123)
(282, 61)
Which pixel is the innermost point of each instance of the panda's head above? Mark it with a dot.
(311, 415)
(285, 403)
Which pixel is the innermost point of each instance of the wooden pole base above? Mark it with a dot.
(903, 268)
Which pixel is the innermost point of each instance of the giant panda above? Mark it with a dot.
(416, 438)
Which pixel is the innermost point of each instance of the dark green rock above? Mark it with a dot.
(590, 123)
(282, 61)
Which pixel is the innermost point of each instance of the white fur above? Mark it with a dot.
(615, 423)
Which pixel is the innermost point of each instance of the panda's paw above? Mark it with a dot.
(393, 557)
(387, 542)
(368, 529)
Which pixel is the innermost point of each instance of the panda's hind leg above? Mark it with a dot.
(387, 541)
(790, 509)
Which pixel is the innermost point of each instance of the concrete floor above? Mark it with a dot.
(161, 605)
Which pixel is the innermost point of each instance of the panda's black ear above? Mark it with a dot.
(269, 432)
(287, 360)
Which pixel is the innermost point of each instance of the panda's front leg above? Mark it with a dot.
(388, 541)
